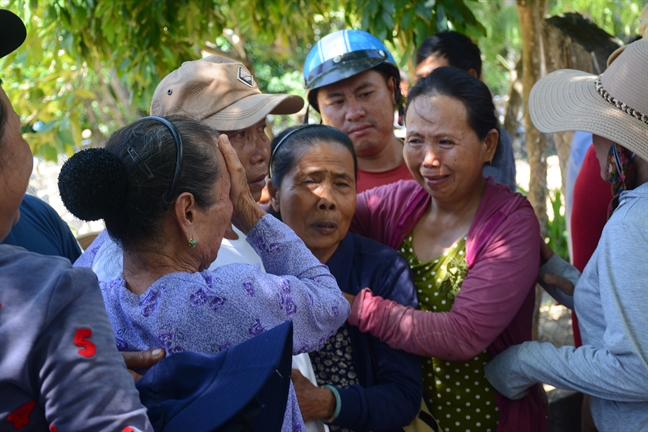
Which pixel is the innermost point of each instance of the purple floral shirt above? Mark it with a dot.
(212, 310)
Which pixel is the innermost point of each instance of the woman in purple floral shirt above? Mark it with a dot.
(167, 194)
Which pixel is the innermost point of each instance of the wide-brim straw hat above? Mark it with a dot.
(613, 105)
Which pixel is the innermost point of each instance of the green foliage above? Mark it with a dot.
(92, 65)
(501, 49)
(407, 23)
(619, 18)
(556, 233)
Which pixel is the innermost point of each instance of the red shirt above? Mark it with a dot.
(369, 180)
(592, 195)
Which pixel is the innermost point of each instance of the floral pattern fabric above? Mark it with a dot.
(212, 310)
(333, 364)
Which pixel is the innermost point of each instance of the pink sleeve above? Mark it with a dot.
(490, 297)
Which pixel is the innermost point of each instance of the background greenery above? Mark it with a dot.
(92, 65)
(89, 67)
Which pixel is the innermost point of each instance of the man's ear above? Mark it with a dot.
(274, 197)
(473, 72)
(391, 85)
(185, 211)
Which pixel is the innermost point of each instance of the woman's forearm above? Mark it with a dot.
(301, 288)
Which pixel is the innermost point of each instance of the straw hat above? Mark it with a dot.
(613, 105)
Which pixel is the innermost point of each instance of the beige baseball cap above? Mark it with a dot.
(221, 92)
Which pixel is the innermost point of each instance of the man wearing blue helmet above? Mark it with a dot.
(353, 82)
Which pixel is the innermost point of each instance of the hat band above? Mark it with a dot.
(623, 107)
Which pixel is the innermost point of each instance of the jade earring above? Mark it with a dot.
(192, 242)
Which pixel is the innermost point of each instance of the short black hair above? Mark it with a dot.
(460, 51)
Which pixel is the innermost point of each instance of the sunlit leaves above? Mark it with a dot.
(94, 64)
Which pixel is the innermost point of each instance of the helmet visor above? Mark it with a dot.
(344, 66)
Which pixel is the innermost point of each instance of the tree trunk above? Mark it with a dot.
(512, 110)
(562, 141)
(571, 41)
(531, 12)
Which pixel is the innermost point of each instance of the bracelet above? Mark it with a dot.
(338, 403)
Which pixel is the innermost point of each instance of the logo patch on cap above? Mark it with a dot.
(245, 77)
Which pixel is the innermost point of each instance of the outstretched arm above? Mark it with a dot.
(491, 295)
(614, 301)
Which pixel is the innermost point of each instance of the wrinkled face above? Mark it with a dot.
(361, 106)
(442, 151)
(317, 197)
(214, 221)
(602, 147)
(252, 147)
(426, 67)
(16, 164)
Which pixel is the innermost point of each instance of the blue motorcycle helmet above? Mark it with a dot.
(343, 54)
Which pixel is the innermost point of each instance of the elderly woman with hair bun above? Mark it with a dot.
(167, 190)
(473, 246)
(611, 297)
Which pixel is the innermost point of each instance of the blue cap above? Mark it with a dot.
(243, 385)
(341, 55)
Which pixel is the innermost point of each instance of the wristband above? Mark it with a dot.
(338, 403)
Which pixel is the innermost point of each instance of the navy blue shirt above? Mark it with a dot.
(391, 383)
(41, 230)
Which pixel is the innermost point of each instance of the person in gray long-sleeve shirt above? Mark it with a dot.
(59, 367)
(611, 301)
(611, 297)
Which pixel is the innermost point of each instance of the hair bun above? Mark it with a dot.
(93, 184)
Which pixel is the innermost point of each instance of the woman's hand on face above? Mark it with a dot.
(314, 402)
(246, 211)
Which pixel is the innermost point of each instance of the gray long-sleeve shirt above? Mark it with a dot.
(611, 302)
(59, 366)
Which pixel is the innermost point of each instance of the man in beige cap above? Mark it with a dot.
(222, 93)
